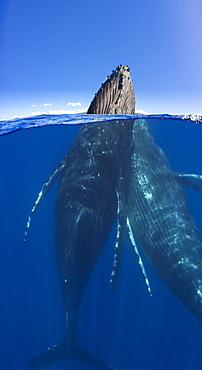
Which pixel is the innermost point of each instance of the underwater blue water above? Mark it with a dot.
(126, 327)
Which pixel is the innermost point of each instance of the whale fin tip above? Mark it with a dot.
(190, 179)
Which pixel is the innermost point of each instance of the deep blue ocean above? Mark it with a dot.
(126, 328)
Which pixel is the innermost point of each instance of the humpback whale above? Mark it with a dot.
(159, 218)
(115, 169)
(86, 205)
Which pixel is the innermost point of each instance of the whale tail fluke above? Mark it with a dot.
(62, 352)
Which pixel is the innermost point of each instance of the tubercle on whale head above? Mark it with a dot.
(116, 94)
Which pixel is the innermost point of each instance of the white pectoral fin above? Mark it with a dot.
(121, 232)
(44, 190)
(190, 179)
(139, 259)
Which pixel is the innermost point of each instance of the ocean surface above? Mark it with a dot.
(126, 327)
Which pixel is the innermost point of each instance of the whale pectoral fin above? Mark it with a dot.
(120, 236)
(44, 190)
(62, 352)
(191, 180)
(137, 255)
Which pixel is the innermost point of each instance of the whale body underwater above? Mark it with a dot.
(116, 170)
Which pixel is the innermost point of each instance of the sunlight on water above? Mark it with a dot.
(9, 126)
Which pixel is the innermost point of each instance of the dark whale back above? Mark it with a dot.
(86, 204)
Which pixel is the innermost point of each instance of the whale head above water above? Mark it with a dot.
(116, 94)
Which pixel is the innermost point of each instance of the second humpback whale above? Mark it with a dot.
(159, 217)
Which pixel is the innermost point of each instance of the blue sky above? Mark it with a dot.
(59, 52)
